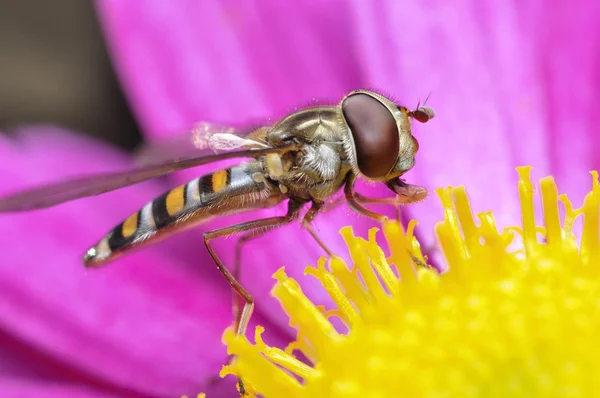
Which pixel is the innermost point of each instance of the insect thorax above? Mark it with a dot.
(319, 168)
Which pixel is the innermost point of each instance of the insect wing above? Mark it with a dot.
(53, 194)
(204, 139)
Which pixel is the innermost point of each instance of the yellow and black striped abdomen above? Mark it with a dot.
(224, 191)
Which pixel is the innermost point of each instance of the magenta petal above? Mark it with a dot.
(51, 389)
(231, 61)
(448, 51)
(498, 80)
(23, 368)
(147, 323)
(565, 46)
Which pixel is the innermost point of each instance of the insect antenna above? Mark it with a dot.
(424, 102)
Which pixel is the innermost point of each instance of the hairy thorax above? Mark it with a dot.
(316, 170)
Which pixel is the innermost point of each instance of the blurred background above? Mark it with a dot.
(55, 69)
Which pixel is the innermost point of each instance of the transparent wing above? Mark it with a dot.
(60, 192)
(203, 139)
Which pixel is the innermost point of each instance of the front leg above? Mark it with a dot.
(354, 202)
(360, 198)
(364, 200)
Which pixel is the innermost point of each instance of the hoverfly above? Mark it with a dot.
(304, 158)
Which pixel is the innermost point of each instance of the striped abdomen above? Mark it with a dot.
(223, 192)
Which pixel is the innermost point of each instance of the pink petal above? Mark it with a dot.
(187, 61)
(52, 389)
(151, 323)
(511, 85)
(23, 368)
(452, 52)
(565, 43)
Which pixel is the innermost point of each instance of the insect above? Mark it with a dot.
(306, 157)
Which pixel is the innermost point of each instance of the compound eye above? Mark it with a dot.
(375, 134)
(423, 114)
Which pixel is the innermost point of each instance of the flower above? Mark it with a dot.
(151, 324)
(502, 321)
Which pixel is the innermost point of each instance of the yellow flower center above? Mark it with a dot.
(515, 315)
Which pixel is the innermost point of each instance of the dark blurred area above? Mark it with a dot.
(54, 68)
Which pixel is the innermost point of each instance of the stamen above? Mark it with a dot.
(503, 321)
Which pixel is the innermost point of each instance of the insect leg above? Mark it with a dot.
(328, 206)
(265, 224)
(367, 201)
(308, 218)
(380, 201)
(355, 204)
(259, 225)
(236, 274)
(355, 200)
(238, 260)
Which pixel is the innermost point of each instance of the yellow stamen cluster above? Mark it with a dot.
(502, 322)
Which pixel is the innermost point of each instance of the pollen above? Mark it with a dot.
(517, 314)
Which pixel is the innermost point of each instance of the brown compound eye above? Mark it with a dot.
(375, 134)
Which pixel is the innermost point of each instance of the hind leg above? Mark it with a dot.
(241, 322)
(237, 263)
